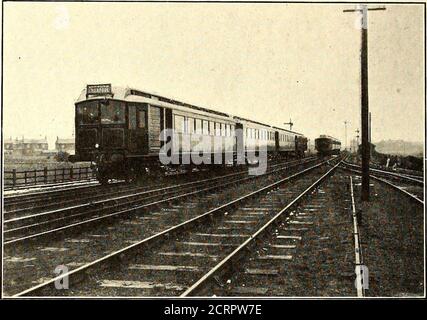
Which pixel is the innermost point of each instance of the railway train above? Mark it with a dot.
(327, 145)
(119, 130)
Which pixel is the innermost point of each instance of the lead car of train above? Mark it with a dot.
(118, 130)
(327, 145)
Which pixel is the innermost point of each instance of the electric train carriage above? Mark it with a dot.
(327, 145)
(118, 129)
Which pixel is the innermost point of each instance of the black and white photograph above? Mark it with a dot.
(213, 150)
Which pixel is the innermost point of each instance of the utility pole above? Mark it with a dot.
(290, 123)
(357, 140)
(363, 9)
(345, 125)
(369, 129)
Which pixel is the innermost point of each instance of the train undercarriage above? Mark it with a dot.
(133, 169)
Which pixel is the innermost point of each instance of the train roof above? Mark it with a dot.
(266, 125)
(135, 95)
(121, 93)
(325, 136)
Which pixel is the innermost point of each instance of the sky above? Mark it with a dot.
(266, 62)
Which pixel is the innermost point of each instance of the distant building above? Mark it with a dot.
(8, 146)
(64, 145)
(30, 147)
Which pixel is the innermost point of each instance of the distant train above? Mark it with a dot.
(327, 145)
(118, 129)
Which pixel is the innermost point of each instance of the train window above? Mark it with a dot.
(227, 130)
(142, 114)
(205, 127)
(211, 128)
(87, 113)
(232, 131)
(198, 126)
(113, 112)
(132, 117)
(179, 124)
(190, 125)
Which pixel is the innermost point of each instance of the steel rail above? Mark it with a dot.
(129, 195)
(357, 246)
(144, 206)
(396, 175)
(239, 250)
(141, 193)
(410, 195)
(163, 234)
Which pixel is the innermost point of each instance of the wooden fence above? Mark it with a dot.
(14, 179)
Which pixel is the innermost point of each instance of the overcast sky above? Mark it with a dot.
(266, 62)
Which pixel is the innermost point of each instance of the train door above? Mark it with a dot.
(239, 143)
(276, 140)
(138, 129)
(296, 145)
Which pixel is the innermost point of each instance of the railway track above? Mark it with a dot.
(413, 188)
(263, 265)
(80, 192)
(34, 188)
(186, 252)
(416, 180)
(35, 202)
(30, 226)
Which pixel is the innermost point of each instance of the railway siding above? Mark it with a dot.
(102, 239)
(393, 229)
(310, 253)
(182, 250)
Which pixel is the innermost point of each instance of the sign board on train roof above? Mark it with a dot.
(98, 89)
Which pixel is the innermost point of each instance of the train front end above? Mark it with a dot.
(100, 124)
(323, 146)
